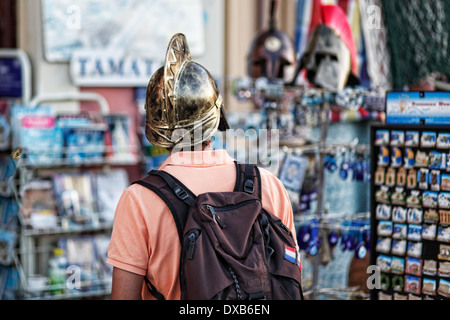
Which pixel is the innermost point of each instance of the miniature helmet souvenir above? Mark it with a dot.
(183, 103)
(272, 53)
(330, 57)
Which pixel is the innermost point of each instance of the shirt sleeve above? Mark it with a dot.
(128, 249)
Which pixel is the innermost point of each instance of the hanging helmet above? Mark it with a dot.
(183, 104)
(330, 57)
(272, 53)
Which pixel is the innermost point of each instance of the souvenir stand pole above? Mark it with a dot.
(324, 111)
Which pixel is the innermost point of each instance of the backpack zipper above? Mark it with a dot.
(215, 216)
(192, 237)
(232, 206)
(214, 210)
(236, 283)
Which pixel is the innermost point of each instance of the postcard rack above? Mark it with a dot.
(410, 211)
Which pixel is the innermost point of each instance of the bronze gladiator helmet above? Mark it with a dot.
(183, 104)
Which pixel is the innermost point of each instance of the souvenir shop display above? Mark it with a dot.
(72, 212)
(75, 266)
(68, 200)
(348, 232)
(294, 111)
(70, 139)
(410, 211)
(15, 80)
(66, 190)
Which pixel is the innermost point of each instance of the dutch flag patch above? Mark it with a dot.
(290, 254)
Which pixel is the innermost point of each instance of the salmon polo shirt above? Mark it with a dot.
(144, 237)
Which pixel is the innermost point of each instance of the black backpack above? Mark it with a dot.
(232, 248)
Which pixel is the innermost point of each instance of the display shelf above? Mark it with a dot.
(74, 296)
(67, 158)
(82, 272)
(47, 292)
(61, 231)
(342, 293)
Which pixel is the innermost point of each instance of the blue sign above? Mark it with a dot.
(10, 78)
(432, 108)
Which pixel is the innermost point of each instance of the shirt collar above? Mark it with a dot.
(206, 158)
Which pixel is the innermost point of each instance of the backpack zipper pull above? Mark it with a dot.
(215, 216)
(190, 251)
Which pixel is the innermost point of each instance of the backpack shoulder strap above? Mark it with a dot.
(174, 193)
(248, 179)
(177, 197)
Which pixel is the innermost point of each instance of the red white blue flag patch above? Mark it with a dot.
(290, 254)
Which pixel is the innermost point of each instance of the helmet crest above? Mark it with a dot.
(177, 53)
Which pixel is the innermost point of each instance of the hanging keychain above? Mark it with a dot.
(366, 235)
(361, 247)
(303, 237)
(344, 235)
(357, 168)
(345, 166)
(330, 163)
(314, 242)
(351, 240)
(333, 238)
(366, 167)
